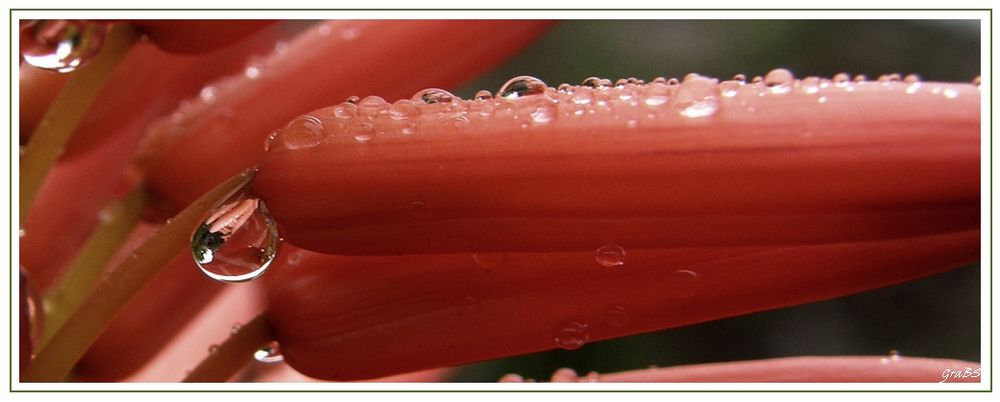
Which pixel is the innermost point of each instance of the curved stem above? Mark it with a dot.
(56, 359)
(231, 355)
(68, 108)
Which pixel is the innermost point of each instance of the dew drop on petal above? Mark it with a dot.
(61, 45)
(950, 93)
(841, 79)
(236, 328)
(729, 89)
(483, 95)
(779, 80)
(303, 132)
(571, 335)
(543, 114)
(269, 354)
(237, 241)
(656, 94)
(403, 109)
(522, 86)
(592, 82)
(695, 97)
(433, 95)
(213, 349)
(353, 99)
(611, 255)
(740, 77)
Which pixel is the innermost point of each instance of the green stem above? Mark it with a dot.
(118, 219)
(233, 354)
(54, 361)
(68, 108)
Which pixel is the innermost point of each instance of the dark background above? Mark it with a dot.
(934, 317)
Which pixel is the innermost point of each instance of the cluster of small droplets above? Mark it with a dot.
(525, 102)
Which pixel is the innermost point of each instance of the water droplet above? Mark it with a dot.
(593, 376)
(269, 354)
(810, 85)
(303, 132)
(779, 80)
(822, 99)
(207, 94)
(593, 82)
(511, 378)
(254, 69)
(740, 77)
(61, 45)
(409, 129)
(621, 83)
(323, 30)
(682, 283)
(433, 95)
(213, 349)
(757, 79)
(372, 104)
(489, 260)
(632, 123)
(521, 86)
(269, 141)
(841, 79)
(583, 96)
(483, 95)
(363, 132)
(236, 328)
(729, 89)
(659, 80)
(238, 241)
(403, 109)
(354, 99)
(860, 78)
(673, 81)
(696, 98)
(656, 94)
(572, 335)
(611, 255)
(950, 93)
(912, 79)
(616, 316)
(565, 88)
(894, 355)
(543, 113)
(978, 81)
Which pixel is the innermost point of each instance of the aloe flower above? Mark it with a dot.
(430, 232)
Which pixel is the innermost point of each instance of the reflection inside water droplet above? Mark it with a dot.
(433, 95)
(61, 45)
(269, 354)
(521, 86)
(238, 241)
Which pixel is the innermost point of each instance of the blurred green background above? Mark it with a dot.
(933, 317)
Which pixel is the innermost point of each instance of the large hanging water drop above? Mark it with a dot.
(521, 86)
(238, 241)
(61, 45)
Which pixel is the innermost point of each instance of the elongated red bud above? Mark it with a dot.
(331, 313)
(644, 166)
